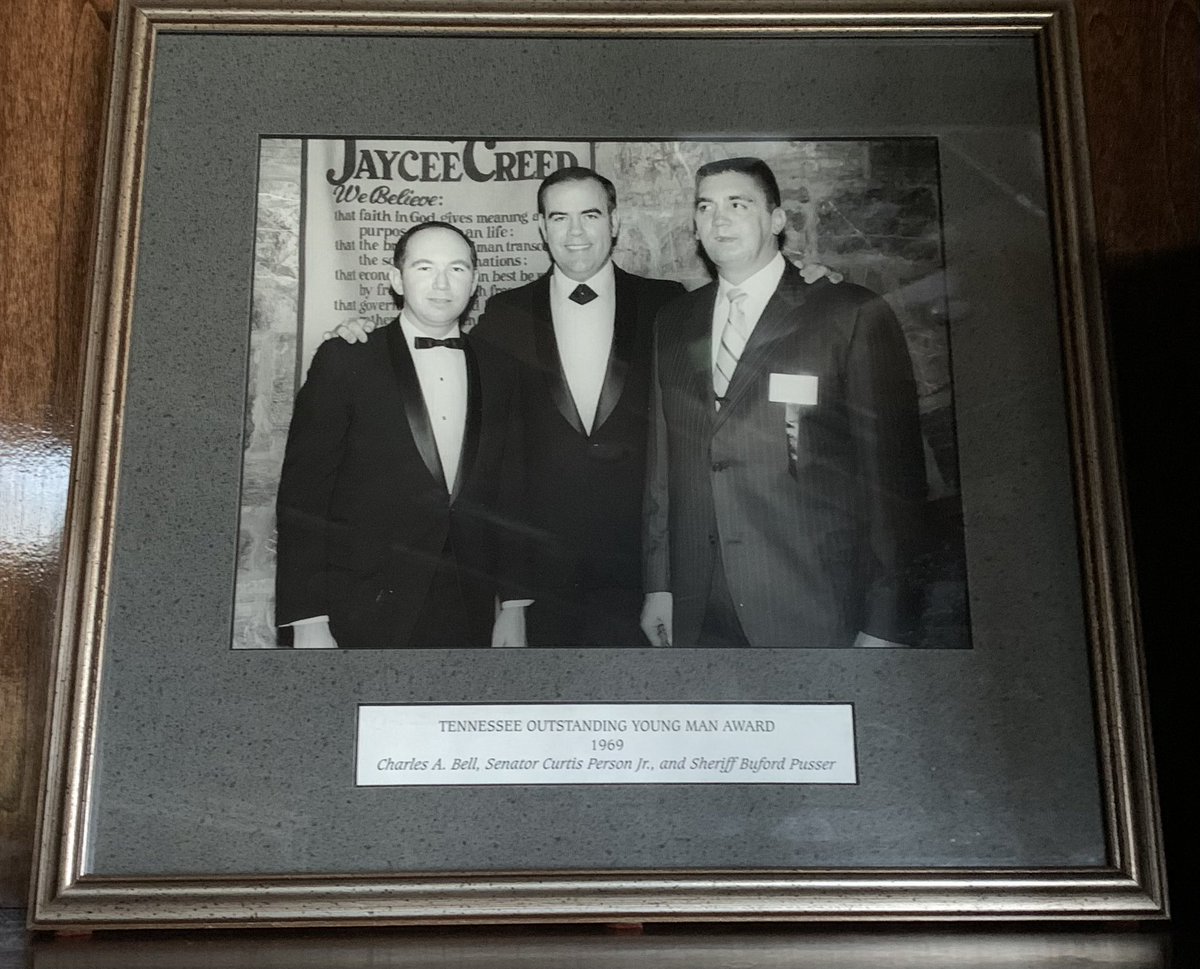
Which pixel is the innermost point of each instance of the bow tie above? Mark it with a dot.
(582, 294)
(450, 343)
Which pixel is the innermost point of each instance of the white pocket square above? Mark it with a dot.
(793, 388)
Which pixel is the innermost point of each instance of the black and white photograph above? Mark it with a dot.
(600, 394)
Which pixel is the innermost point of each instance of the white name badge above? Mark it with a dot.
(793, 388)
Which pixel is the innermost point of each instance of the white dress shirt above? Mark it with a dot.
(442, 374)
(759, 289)
(584, 335)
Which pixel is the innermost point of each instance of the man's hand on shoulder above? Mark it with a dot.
(810, 272)
(356, 331)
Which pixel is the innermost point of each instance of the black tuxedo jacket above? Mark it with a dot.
(816, 507)
(364, 516)
(584, 492)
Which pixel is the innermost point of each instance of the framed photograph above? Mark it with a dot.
(596, 462)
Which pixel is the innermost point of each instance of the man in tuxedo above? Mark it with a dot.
(403, 460)
(581, 336)
(786, 473)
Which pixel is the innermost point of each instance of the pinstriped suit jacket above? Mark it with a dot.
(815, 506)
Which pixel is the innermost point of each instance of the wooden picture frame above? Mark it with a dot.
(188, 784)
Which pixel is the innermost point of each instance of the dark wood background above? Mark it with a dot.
(1141, 61)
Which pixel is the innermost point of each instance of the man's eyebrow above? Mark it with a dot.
(421, 260)
(553, 212)
(735, 197)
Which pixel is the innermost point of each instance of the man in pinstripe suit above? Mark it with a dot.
(786, 474)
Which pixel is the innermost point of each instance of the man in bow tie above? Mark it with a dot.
(402, 468)
(786, 473)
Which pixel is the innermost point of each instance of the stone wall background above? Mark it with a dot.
(869, 209)
(271, 386)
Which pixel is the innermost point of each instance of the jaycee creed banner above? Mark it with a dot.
(359, 196)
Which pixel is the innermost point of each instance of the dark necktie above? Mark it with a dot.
(450, 343)
(582, 295)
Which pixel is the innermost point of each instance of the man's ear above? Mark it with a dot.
(778, 220)
(614, 217)
(541, 224)
(397, 281)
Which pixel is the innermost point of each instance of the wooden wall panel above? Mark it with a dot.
(1142, 74)
(1141, 65)
(53, 74)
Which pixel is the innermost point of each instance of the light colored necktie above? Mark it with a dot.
(733, 342)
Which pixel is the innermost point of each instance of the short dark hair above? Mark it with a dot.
(756, 168)
(412, 230)
(575, 173)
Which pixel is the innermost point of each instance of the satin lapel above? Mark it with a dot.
(548, 359)
(470, 445)
(414, 402)
(699, 351)
(777, 321)
(625, 326)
